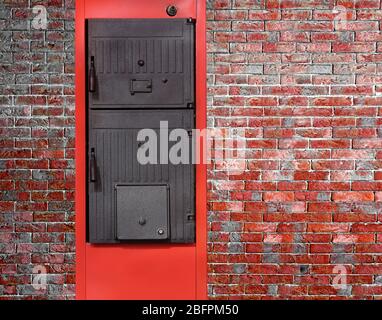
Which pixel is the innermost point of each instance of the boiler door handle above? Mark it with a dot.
(93, 166)
(92, 75)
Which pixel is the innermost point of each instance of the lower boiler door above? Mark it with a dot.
(133, 201)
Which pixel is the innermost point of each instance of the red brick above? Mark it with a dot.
(230, 36)
(353, 238)
(332, 101)
(352, 47)
(278, 196)
(322, 290)
(353, 196)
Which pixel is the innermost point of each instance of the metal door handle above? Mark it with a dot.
(92, 75)
(93, 165)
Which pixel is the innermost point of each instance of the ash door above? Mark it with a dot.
(140, 75)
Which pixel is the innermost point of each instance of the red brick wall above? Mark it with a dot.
(36, 150)
(304, 78)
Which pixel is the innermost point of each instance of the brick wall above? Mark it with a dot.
(36, 149)
(303, 78)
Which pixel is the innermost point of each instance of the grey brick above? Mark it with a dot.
(272, 290)
(321, 69)
(239, 268)
(235, 247)
(347, 291)
(234, 236)
(342, 258)
(271, 258)
(230, 226)
(28, 289)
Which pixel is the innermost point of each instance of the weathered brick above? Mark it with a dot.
(304, 83)
(25, 91)
(324, 177)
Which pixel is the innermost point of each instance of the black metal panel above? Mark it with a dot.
(131, 52)
(113, 139)
(142, 212)
(126, 96)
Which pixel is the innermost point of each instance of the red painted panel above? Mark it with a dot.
(80, 204)
(150, 271)
(136, 272)
(138, 9)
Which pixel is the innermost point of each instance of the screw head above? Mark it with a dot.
(171, 10)
(160, 232)
(141, 63)
(142, 221)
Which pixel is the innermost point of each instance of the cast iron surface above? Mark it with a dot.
(159, 51)
(143, 73)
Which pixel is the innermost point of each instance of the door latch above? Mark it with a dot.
(92, 75)
(93, 166)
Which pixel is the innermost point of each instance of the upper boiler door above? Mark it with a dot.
(141, 63)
